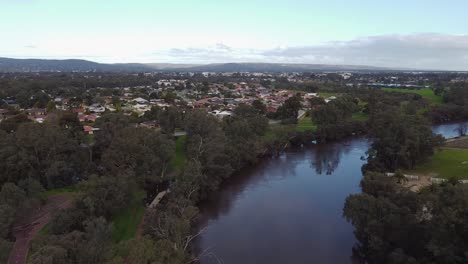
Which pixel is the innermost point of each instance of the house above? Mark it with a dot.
(37, 118)
(311, 95)
(36, 111)
(150, 124)
(141, 101)
(141, 107)
(89, 130)
(221, 114)
(96, 108)
(89, 118)
(111, 108)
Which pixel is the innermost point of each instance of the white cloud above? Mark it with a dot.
(419, 51)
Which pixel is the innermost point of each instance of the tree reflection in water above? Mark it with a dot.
(327, 157)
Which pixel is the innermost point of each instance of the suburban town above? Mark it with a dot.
(234, 132)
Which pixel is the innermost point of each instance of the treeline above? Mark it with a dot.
(393, 224)
(122, 160)
(455, 105)
(396, 226)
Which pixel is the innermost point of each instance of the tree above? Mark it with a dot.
(11, 124)
(289, 111)
(400, 141)
(106, 195)
(259, 106)
(462, 129)
(315, 102)
(51, 106)
(40, 146)
(395, 225)
(206, 144)
(400, 177)
(50, 255)
(170, 119)
(143, 151)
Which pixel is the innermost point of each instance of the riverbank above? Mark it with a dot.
(306, 184)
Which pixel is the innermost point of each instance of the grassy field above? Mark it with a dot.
(425, 92)
(360, 116)
(305, 124)
(276, 131)
(68, 189)
(180, 157)
(445, 163)
(327, 94)
(126, 222)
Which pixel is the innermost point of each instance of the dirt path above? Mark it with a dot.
(26, 229)
(416, 185)
(153, 204)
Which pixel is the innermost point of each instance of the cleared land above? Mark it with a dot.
(180, 157)
(127, 221)
(425, 92)
(446, 163)
(305, 124)
(461, 143)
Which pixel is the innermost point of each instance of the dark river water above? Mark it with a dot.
(288, 209)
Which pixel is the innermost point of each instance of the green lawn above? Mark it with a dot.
(327, 94)
(269, 134)
(127, 221)
(305, 124)
(180, 157)
(360, 116)
(425, 92)
(68, 189)
(276, 131)
(446, 163)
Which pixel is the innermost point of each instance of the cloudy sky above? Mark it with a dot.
(420, 34)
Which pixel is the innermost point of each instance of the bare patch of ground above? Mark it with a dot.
(461, 143)
(416, 185)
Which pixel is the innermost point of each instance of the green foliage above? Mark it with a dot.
(106, 195)
(50, 106)
(12, 123)
(179, 159)
(395, 225)
(144, 152)
(305, 124)
(290, 109)
(424, 92)
(336, 111)
(126, 221)
(400, 141)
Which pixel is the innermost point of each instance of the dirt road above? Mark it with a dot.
(26, 229)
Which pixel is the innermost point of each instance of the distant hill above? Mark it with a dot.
(279, 67)
(40, 65)
(73, 65)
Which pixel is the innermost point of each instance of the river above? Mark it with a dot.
(287, 209)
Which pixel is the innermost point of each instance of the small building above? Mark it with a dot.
(89, 130)
(150, 124)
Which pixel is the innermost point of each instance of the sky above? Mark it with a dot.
(430, 34)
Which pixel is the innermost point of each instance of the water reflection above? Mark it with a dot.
(326, 158)
(284, 210)
(448, 130)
